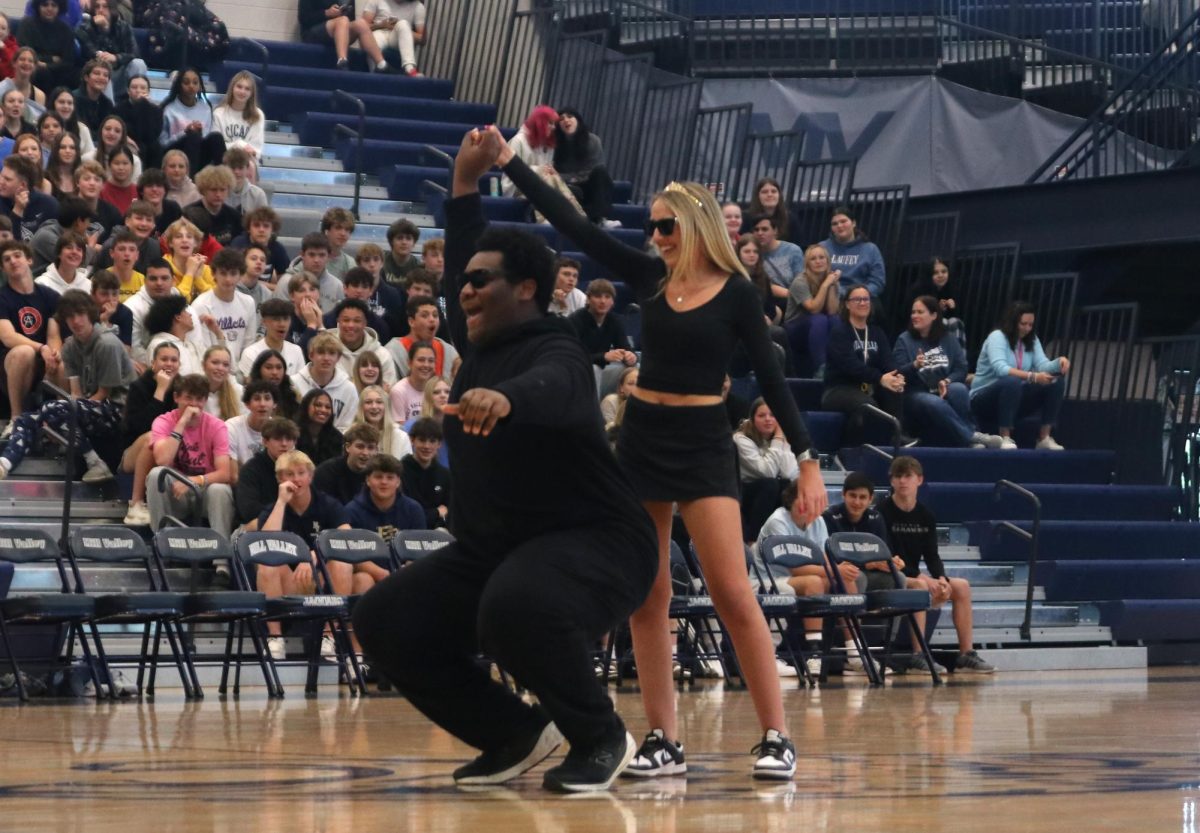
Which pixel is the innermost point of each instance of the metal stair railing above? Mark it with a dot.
(1147, 123)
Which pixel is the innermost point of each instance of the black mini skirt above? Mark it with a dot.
(682, 453)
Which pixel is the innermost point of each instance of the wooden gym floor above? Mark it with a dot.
(1091, 750)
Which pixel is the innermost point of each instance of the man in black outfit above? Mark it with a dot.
(552, 548)
(425, 479)
(342, 478)
(257, 486)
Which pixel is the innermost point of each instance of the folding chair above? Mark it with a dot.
(777, 606)
(67, 607)
(284, 549)
(353, 546)
(237, 610)
(414, 544)
(861, 549)
(158, 610)
(692, 605)
(789, 552)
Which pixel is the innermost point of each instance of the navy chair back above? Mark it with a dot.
(197, 546)
(352, 546)
(859, 549)
(791, 551)
(27, 546)
(110, 544)
(415, 544)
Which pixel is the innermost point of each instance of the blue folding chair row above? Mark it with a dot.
(852, 608)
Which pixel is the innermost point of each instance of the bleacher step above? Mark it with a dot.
(281, 174)
(383, 209)
(1097, 657)
(1078, 635)
(303, 163)
(321, 192)
(281, 137)
(293, 149)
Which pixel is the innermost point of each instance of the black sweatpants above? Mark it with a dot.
(849, 398)
(537, 611)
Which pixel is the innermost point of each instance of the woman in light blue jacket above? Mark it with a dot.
(1014, 378)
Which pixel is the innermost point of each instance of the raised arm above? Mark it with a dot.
(465, 224)
(637, 268)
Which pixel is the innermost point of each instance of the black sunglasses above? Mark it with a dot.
(665, 226)
(479, 278)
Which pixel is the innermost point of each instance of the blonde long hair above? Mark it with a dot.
(387, 425)
(227, 399)
(701, 229)
(814, 282)
(427, 407)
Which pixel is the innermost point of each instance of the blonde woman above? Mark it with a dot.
(224, 393)
(188, 267)
(675, 445)
(434, 399)
(373, 410)
(238, 119)
(812, 307)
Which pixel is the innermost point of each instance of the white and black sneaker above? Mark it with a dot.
(657, 757)
(776, 757)
(515, 758)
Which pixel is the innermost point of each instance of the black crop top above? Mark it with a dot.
(682, 352)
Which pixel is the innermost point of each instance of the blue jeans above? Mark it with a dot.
(809, 336)
(949, 420)
(1007, 400)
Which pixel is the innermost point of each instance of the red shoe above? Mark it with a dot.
(412, 72)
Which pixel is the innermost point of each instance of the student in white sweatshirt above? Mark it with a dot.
(67, 272)
(222, 314)
(238, 118)
(322, 371)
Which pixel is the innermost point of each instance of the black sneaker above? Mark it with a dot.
(592, 770)
(776, 757)
(515, 758)
(657, 756)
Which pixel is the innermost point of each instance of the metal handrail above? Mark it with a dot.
(357, 135)
(1031, 536)
(264, 54)
(1054, 51)
(71, 443)
(871, 410)
(1102, 127)
(167, 473)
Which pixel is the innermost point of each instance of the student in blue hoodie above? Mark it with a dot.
(381, 507)
(851, 253)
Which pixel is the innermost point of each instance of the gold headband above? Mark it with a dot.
(679, 188)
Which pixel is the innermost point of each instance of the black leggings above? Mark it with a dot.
(848, 399)
(594, 193)
(200, 150)
(538, 611)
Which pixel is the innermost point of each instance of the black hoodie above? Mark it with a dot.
(546, 467)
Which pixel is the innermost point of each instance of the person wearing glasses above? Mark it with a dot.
(552, 549)
(675, 445)
(859, 369)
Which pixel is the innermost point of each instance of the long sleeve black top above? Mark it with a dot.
(598, 339)
(141, 408)
(853, 361)
(547, 466)
(682, 352)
